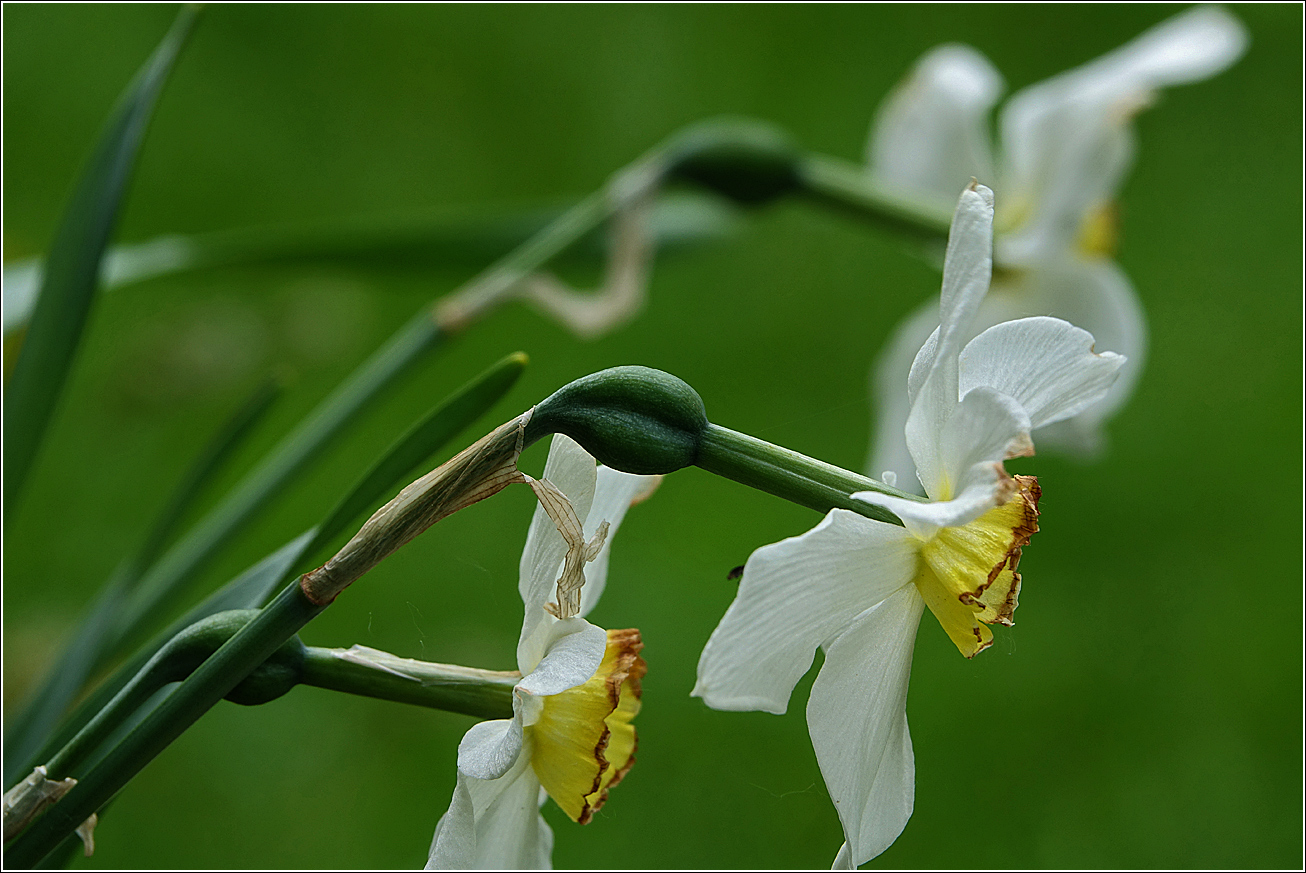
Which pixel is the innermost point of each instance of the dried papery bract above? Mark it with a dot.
(579, 552)
(625, 281)
(482, 469)
(28, 798)
(628, 198)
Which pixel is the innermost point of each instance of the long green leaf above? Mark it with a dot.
(68, 288)
(44, 708)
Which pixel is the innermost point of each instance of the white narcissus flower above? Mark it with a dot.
(1066, 145)
(857, 587)
(571, 734)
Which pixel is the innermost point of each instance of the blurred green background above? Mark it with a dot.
(1144, 712)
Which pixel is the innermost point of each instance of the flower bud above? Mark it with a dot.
(633, 419)
(271, 679)
(748, 161)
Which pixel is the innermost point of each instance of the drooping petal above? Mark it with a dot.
(613, 495)
(584, 740)
(857, 716)
(573, 649)
(966, 271)
(987, 427)
(1066, 140)
(494, 824)
(1046, 364)
(491, 748)
(795, 595)
(572, 471)
(454, 845)
(931, 135)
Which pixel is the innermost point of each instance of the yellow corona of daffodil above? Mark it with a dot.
(571, 732)
(857, 587)
(1065, 147)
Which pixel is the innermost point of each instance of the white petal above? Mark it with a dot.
(613, 495)
(572, 650)
(1189, 47)
(572, 470)
(494, 824)
(491, 748)
(982, 487)
(966, 272)
(857, 716)
(986, 428)
(1088, 153)
(931, 136)
(967, 267)
(454, 845)
(794, 596)
(1046, 364)
(1066, 140)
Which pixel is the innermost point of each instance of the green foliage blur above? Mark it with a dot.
(1144, 712)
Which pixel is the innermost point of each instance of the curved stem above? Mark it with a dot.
(790, 475)
(848, 188)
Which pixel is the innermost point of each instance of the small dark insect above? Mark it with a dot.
(735, 574)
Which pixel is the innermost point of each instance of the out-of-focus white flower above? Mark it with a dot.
(571, 736)
(857, 587)
(1065, 146)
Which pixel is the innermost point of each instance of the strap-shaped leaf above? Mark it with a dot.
(68, 287)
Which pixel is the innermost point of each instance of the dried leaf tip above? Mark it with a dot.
(482, 469)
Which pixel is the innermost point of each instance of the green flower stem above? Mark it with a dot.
(848, 188)
(475, 473)
(214, 679)
(789, 475)
(641, 420)
(251, 588)
(482, 693)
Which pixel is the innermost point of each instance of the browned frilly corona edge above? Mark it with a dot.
(482, 469)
